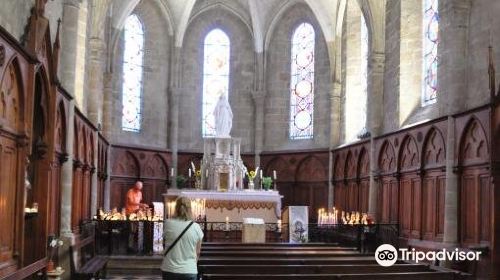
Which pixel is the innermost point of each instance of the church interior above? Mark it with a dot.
(305, 132)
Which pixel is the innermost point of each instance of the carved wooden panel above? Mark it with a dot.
(474, 146)
(126, 164)
(409, 156)
(476, 201)
(311, 169)
(364, 164)
(302, 177)
(475, 187)
(8, 176)
(387, 159)
(434, 151)
(433, 195)
(131, 164)
(338, 167)
(282, 168)
(60, 128)
(10, 98)
(83, 169)
(350, 166)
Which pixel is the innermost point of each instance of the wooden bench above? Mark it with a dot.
(280, 254)
(86, 265)
(291, 261)
(370, 276)
(29, 270)
(277, 248)
(310, 269)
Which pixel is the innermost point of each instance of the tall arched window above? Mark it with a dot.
(430, 47)
(133, 55)
(215, 76)
(302, 83)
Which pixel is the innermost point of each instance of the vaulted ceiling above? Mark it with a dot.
(259, 14)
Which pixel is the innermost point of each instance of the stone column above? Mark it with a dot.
(259, 98)
(452, 55)
(67, 176)
(452, 73)
(375, 119)
(95, 81)
(335, 126)
(107, 116)
(450, 234)
(107, 184)
(69, 39)
(93, 181)
(174, 129)
(66, 194)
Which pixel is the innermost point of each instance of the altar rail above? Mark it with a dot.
(113, 236)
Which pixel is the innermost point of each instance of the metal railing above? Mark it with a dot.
(114, 237)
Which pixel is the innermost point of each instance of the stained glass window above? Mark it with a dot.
(215, 76)
(302, 83)
(133, 55)
(364, 71)
(430, 47)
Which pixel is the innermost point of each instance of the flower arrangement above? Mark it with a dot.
(252, 174)
(54, 243)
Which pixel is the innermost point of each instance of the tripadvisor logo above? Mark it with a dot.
(387, 255)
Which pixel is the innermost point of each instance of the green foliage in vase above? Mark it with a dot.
(267, 182)
(181, 181)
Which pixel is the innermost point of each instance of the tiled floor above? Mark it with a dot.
(134, 278)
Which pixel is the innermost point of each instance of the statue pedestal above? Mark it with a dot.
(223, 168)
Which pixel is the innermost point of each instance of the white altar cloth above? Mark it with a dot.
(233, 198)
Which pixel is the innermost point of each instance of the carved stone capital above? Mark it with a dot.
(77, 163)
(22, 141)
(96, 49)
(63, 158)
(377, 62)
(41, 149)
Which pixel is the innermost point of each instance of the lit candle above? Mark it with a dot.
(189, 172)
(227, 223)
(172, 172)
(279, 225)
(274, 175)
(261, 173)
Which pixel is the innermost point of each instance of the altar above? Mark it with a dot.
(234, 206)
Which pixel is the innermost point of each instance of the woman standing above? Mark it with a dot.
(183, 242)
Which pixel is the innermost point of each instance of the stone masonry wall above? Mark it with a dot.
(277, 110)
(155, 82)
(241, 79)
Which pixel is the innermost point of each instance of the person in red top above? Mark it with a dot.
(134, 197)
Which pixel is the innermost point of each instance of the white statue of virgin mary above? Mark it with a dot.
(223, 117)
